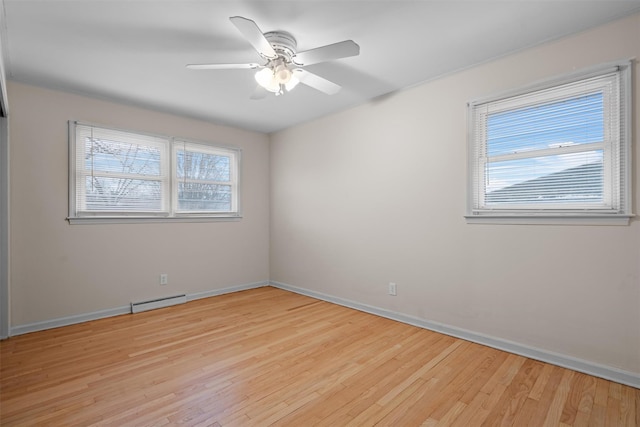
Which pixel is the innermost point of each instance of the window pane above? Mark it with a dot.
(565, 178)
(204, 197)
(201, 166)
(577, 120)
(122, 157)
(120, 194)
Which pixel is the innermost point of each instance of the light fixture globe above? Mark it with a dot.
(282, 74)
(267, 80)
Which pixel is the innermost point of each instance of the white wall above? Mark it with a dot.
(377, 194)
(60, 270)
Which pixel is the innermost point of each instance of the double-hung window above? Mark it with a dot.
(555, 150)
(205, 179)
(118, 174)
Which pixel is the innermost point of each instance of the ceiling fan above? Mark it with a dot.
(281, 68)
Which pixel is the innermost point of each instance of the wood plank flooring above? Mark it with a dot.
(270, 357)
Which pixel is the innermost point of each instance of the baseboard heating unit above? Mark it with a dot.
(137, 307)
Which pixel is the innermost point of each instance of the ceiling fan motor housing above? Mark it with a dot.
(283, 43)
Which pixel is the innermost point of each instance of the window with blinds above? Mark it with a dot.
(554, 150)
(205, 179)
(119, 174)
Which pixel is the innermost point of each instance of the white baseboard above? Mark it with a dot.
(101, 314)
(569, 362)
(215, 292)
(69, 320)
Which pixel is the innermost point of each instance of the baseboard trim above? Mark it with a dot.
(69, 320)
(569, 362)
(101, 314)
(228, 290)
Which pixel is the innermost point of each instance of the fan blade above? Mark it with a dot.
(259, 93)
(327, 53)
(252, 33)
(221, 66)
(317, 82)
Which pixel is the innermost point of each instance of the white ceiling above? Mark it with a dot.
(135, 51)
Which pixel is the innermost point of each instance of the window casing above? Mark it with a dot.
(117, 175)
(558, 149)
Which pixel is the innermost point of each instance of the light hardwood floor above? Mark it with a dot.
(267, 356)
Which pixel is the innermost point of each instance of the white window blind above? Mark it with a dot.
(121, 174)
(560, 149)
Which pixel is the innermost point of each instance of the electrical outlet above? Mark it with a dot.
(392, 289)
(164, 279)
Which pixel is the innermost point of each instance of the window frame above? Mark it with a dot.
(558, 213)
(233, 155)
(169, 181)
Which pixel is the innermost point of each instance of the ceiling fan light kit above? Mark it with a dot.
(283, 67)
(273, 81)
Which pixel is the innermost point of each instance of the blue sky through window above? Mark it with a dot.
(570, 122)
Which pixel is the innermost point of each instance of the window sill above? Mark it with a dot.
(568, 219)
(149, 219)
